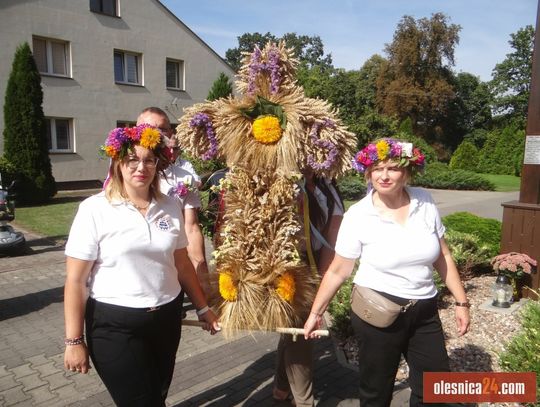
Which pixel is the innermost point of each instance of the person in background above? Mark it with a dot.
(126, 266)
(181, 181)
(294, 365)
(397, 234)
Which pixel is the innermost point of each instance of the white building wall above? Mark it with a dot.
(91, 97)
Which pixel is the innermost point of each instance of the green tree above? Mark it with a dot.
(221, 88)
(25, 142)
(512, 78)
(308, 50)
(503, 150)
(246, 43)
(415, 80)
(469, 110)
(465, 157)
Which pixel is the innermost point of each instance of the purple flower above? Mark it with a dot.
(271, 66)
(202, 120)
(324, 145)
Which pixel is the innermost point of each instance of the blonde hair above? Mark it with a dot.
(115, 187)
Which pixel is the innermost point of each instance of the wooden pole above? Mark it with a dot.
(521, 219)
(290, 331)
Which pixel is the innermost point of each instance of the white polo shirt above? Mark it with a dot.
(396, 259)
(133, 254)
(183, 171)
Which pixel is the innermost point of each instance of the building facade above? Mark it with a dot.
(101, 63)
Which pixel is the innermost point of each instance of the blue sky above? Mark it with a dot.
(354, 30)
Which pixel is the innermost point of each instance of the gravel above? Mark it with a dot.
(476, 351)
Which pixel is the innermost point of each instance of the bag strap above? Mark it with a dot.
(405, 307)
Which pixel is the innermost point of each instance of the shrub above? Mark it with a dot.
(340, 310)
(352, 187)
(503, 150)
(468, 252)
(439, 176)
(8, 172)
(221, 88)
(522, 353)
(465, 157)
(488, 231)
(25, 142)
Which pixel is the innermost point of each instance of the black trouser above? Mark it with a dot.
(417, 334)
(134, 350)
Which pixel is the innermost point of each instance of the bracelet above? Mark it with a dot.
(316, 314)
(74, 341)
(202, 311)
(466, 304)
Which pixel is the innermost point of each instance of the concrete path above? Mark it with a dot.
(210, 371)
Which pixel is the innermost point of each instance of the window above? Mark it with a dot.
(108, 7)
(174, 73)
(124, 123)
(127, 67)
(59, 134)
(51, 56)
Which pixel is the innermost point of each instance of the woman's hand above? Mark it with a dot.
(212, 322)
(76, 358)
(463, 320)
(313, 323)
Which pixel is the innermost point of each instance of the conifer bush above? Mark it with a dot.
(465, 157)
(25, 142)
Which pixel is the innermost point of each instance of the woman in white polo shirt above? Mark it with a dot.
(126, 267)
(397, 233)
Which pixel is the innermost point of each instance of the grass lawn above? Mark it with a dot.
(504, 183)
(52, 220)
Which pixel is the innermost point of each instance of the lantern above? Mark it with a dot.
(502, 292)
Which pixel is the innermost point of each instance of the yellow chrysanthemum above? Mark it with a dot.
(383, 148)
(110, 151)
(227, 289)
(286, 287)
(150, 138)
(266, 129)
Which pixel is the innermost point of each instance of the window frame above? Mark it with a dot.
(97, 6)
(52, 134)
(125, 123)
(49, 56)
(125, 67)
(180, 74)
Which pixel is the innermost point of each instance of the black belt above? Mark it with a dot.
(115, 307)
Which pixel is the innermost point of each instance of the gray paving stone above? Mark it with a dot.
(14, 395)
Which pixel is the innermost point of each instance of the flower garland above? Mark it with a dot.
(256, 66)
(202, 120)
(323, 144)
(286, 287)
(389, 149)
(121, 140)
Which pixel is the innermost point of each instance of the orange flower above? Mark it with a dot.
(286, 286)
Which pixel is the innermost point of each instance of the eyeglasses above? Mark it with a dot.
(133, 163)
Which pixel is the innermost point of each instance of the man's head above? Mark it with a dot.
(155, 116)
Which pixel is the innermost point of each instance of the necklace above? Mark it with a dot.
(140, 208)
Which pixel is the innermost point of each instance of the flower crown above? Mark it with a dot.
(121, 140)
(389, 149)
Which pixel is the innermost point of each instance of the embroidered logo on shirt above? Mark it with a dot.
(163, 224)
